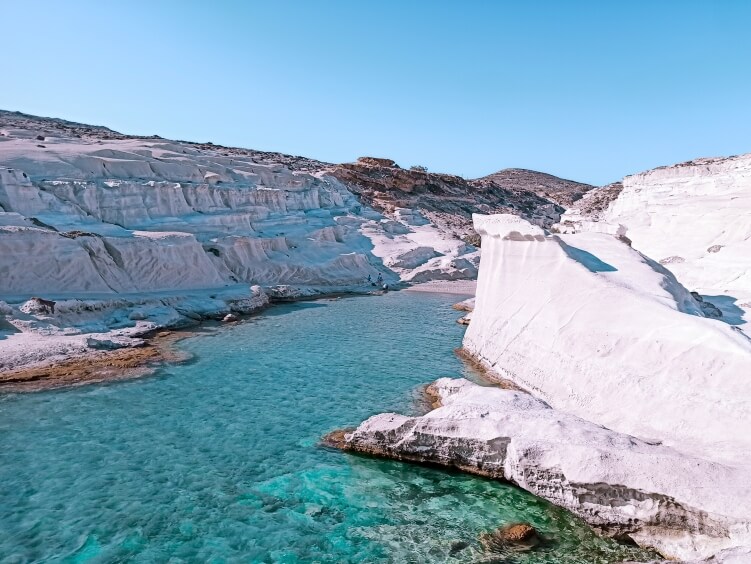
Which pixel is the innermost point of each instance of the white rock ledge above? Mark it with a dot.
(684, 506)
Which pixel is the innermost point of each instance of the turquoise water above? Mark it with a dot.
(217, 459)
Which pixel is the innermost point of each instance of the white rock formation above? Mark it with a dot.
(95, 211)
(641, 420)
(595, 328)
(132, 215)
(686, 507)
(100, 216)
(693, 217)
(34, 336)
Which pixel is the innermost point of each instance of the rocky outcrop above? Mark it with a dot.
(34, 336)
(590, 207)
(696, 211)
(451, 200)
(14, 124)
(95, 212)
(514, 537)
(109, 218)
(38, 306)
(684, 506)
(595, 328)
(628, 427)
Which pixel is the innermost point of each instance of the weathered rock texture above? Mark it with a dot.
(691, 217)
(558, 190)
(624, 486)
(696, 213)
(592, 205)
(595, 328)
(451, 199)
(641, 426)
(98, 212)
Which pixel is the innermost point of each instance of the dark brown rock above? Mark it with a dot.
(451, 200)
(516, 536)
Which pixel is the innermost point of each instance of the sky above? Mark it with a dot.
(586, 90)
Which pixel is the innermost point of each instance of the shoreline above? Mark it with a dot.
(154, 348)
(632, 509)
(94, 366)
(459, 287)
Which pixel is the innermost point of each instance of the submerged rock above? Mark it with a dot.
(465, 305)
(516, 536)
(708, 308)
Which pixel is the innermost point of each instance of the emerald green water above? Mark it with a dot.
(217, 459)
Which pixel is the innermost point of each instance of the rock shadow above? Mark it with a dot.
(590, 261)
(731, 313)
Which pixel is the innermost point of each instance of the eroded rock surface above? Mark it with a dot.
(451, 200)
(639, 420)
(691, 217)
(684, 506)
(593, 327)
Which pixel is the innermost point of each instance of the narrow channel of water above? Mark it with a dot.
(217, 460)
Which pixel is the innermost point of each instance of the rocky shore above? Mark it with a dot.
(611, 408)
(95, 366)
(47, 344)
(612, 480)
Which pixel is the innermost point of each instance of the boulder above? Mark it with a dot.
(374, 161)
(516, 536)
(38, 306)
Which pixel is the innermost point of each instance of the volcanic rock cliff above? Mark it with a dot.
(173, 231)
(450, 200)
(135, 214)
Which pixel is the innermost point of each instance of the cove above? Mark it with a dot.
(218, 459)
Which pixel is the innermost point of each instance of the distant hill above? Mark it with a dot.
(559, 190)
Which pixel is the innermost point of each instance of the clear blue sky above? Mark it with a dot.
(588, 90)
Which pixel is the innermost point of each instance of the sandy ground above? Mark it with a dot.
(461, 287)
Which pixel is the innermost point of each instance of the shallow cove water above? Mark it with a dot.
(218, 459)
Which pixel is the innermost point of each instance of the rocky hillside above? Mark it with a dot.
(590, 207)
(558, 190)
(143, 214)
(41, 127)
(88, 211)
(447, 199)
